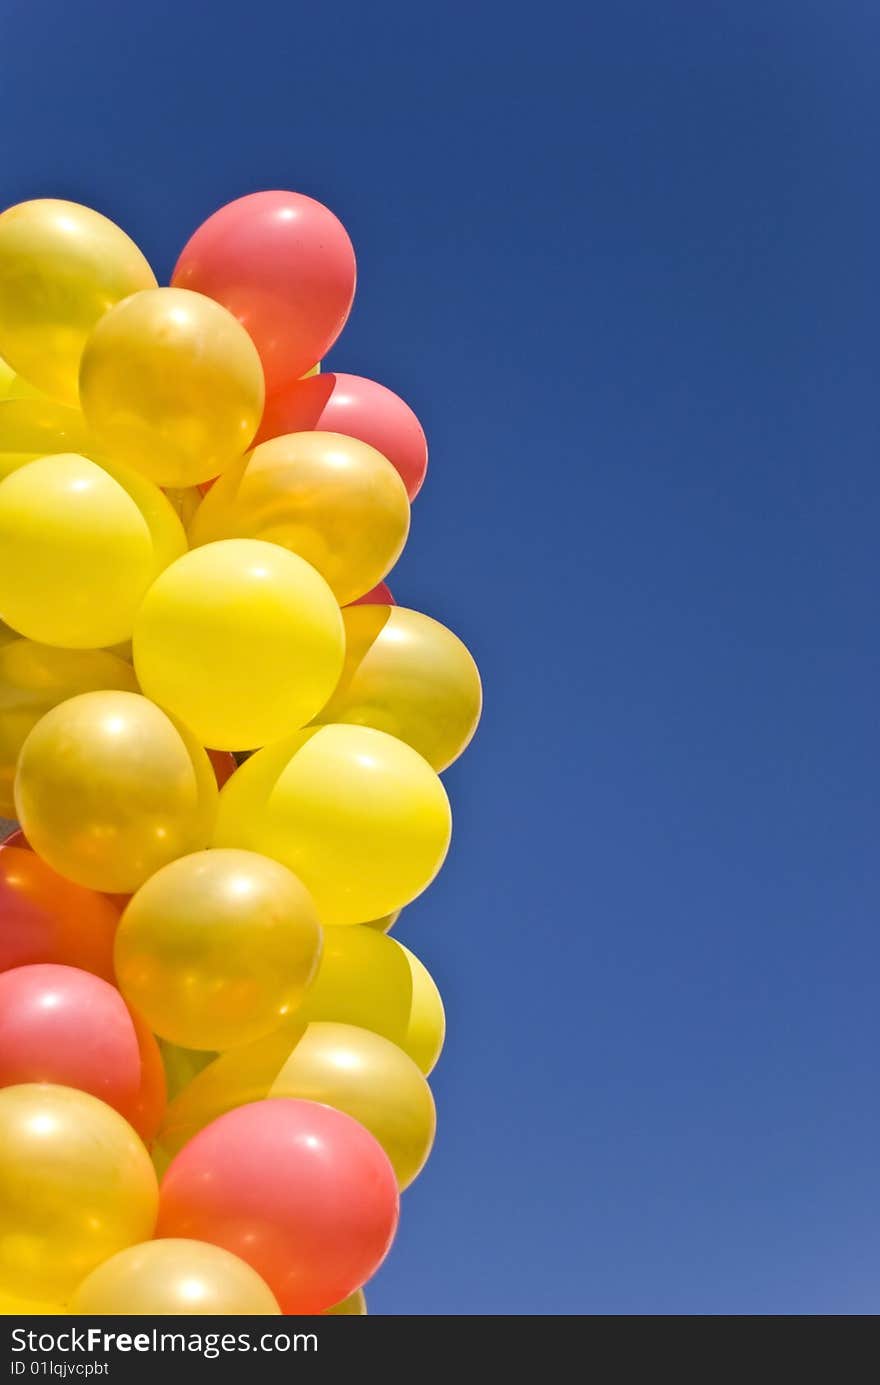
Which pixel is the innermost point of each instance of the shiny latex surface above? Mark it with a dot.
(360, 817)
(109, 789)
(174, 1277)
(76, 1185)
(218, 948)
(240, 639)
(355, 1306)
(363, 979)
(62, 266)
(406, 674)
(49, 919)
(426, 1025)
(171, 385)
(333, 500)
(32, 428)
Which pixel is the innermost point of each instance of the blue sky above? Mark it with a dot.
(622, 260)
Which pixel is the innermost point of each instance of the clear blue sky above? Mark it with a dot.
(623, 261)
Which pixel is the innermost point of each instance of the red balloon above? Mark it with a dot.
(284, 266)
(16, 838)
(45, 918)
(224, 764)
(300, 1191)
(357, 407)
(380, 595)
(62, 1025)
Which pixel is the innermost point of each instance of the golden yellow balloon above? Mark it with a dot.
(406, 674)
(182, 1065)
(360, 817)
(13, 1306)
(78, 553)
(365, 979)
(7, 376)
(171, 384)
(426, 1025)
(355, 1306)
(76, 1185)
(36, 677)
(32, 428)
(109, 789)
(61, 267)
(241, 640)
(217, 949)
(173, 1277)
(385, 923)
(340, 1065)
(335, 501)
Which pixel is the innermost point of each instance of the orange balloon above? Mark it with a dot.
(45, 918)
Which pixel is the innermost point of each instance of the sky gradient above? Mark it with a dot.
(622, 261)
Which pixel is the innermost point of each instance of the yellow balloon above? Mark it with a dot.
(355, 1306)
(171, 384)
(61, 267)
(217, 949)
(7, 375)
(78, 553)
(76, 1185)
(340, 1065)
(174, 1277)
(12, 1306)
(32, 428)
(363, 978)
(360, 817)
(385, 923)
(36, 677)
(184, 500)
(182, 1065)
(242, 640)
(21, 388)
(335, 501)
(109, 789)
(426, 1026)
(406, 674)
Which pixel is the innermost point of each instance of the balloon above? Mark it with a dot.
(340, 1065)
(11, 1306)
(303, 1193)
(284, 266)
(380, 595)
(360, 817)
(242, 640)
(426, 1028)
(109, 789)
(406, 674)
(353, 1306)
(182, 1065)
(36, 677)
(185, 500)
(45, 918)
(218, 948)
(357, 407)
(335, 501)
(384, 924)
(172, 385)
(7, 375)
(224, 765)
(77, 1186)
(152, 1095)
(364, 979)
(172, 1278)
(78, 553)
(61, 267)
(32, 428)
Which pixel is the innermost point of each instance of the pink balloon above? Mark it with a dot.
(284, 266)
(62, 1025)
(380, 595)
(299, 1190)
(357, 407)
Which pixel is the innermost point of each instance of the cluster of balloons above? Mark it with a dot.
(222, 741)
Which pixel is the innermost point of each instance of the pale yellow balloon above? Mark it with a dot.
(340, 1065)
(360, 817)
(76, 1186)
(355, 1306)
(34, 678)
(242, 640)
(109, 789)
(335, 501)
(174, 1277)
(171, 384)
(426, 1026)
(217, 949)
(61, 267)
(370, 1079)
(78, 553)
(32, 428)
(363, 978)
(406, 674)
